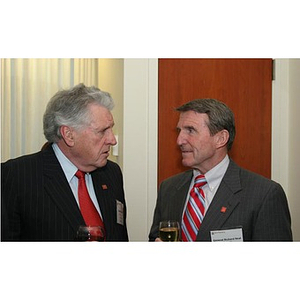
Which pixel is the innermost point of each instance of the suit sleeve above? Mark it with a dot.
(273, 221)
(10, 216)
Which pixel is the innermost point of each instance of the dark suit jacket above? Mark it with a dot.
(38, 203)
(256, 203)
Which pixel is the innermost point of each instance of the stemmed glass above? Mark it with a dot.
(169, 231)
(90, 234)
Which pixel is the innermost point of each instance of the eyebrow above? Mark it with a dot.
(186, 127)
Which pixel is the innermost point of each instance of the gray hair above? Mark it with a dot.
(70, 108)
(219, 114)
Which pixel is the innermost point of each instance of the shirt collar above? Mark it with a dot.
(68, 167)
(215, 175)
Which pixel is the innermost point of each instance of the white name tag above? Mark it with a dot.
(228, 235)
(120, 212)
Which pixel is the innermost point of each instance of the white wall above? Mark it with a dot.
(294, 146)
(285, 134)
(140, 144)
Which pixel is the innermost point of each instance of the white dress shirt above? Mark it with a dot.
(70, 169)
(213, 178)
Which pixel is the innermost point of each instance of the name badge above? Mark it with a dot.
(228, 235)
(120, 212)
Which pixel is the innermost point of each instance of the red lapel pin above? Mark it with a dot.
(223, 209)
(104, 186)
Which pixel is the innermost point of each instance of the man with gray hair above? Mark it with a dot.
(47, 196)
(216, 200)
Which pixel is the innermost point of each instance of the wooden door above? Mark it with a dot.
(245, 85)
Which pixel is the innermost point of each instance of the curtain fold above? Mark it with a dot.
(26, 87)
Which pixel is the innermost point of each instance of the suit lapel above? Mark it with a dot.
(223, 203)
(102, 191)
(179, 195)
(105, 193)
(59, 189)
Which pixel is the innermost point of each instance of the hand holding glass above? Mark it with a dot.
(169, 231)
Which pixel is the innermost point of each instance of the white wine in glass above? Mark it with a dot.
(169, 231)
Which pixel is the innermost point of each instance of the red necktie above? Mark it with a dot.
(194, 212)
(87, 207)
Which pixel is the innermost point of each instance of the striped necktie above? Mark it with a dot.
(194, 212)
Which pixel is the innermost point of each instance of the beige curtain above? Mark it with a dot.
(26, 87)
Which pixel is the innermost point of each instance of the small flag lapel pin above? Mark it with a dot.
(104, 186)
(223, 209)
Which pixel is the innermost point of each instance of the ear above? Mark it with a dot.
(222, 138)
(67, 134)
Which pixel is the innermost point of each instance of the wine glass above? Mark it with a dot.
(169, 231)
(90, 234)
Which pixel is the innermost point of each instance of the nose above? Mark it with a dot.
(180, 138)
(111, 139)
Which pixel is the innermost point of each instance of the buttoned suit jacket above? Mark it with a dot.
(243, 199)
(38, 203)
